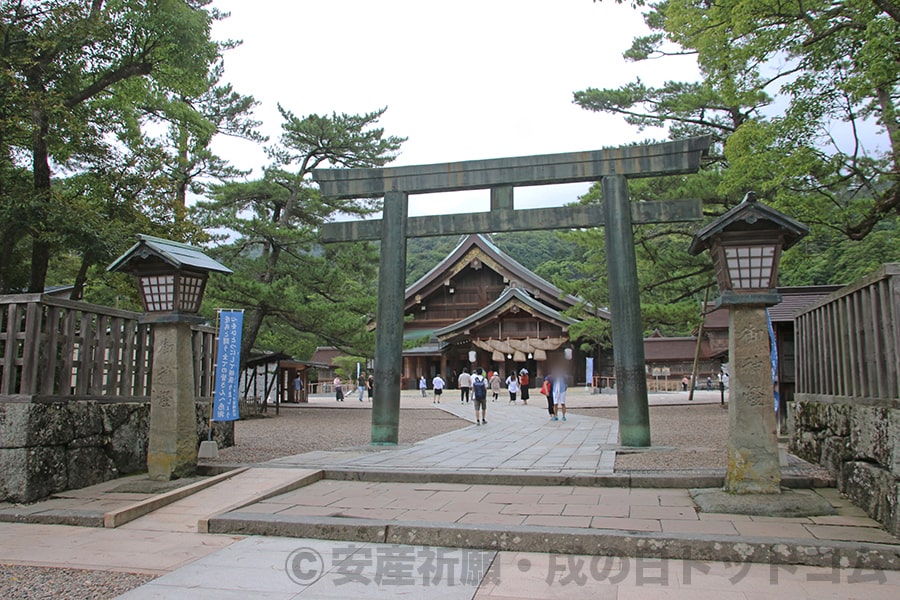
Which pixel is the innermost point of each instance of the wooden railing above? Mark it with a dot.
(52, 347)
(848, 344)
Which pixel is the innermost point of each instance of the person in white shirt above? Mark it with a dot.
(512, 384)
(465, 384)
(438, 384)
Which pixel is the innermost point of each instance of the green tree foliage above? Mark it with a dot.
(285, 281)
(80, 79)
(804, 93)
(799, 98)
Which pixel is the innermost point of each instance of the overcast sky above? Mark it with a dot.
(462, 79)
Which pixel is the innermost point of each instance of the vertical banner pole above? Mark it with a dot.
(226, 399)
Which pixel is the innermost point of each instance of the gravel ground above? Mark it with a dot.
(33, 583)
(688, 437)
(305, 429)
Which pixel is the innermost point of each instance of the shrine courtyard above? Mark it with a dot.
(520, 508)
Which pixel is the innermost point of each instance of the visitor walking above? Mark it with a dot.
(495, 384)
(438, 385)
(479, 395)
(559, 396)
(523, 385)
(298, 388)
(512, 385)
(361, 384)
(370, 386)
(464, 383)
(547, 390)
(685, 382)
(423, 386)
(338, 390)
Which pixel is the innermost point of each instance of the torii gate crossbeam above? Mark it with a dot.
(611, 166)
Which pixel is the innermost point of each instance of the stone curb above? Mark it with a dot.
(284, 488)
(118, 517)
(620, 480)
(78, 518)
(567, 540)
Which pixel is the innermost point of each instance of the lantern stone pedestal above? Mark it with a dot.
(753, 463)
(753, 476)
(172, 449)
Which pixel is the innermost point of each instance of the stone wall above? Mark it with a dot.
(52, 446)
(858, 441)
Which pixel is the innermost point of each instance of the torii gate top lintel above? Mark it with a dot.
(500, 175)
(649, 160)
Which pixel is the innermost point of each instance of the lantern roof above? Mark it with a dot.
(749, 216)
(149, 249)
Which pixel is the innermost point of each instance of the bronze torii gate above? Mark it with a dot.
(612, 166)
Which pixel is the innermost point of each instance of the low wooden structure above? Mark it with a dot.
(847, 400)
(54, 348)
(273, 375)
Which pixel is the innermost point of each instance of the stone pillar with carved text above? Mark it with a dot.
(172, 449)
(753, 461)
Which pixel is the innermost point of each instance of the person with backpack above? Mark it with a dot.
(479, 395)
(523, 385)
(512, 385)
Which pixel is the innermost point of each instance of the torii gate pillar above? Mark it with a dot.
(625, 309)
(389, 320)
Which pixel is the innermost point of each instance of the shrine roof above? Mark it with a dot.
(519, 271)
(509, 296)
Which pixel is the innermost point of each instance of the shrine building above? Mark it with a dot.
(480, 303)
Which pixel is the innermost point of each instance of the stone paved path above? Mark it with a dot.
(515, 439)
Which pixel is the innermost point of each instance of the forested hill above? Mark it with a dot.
(543, 252)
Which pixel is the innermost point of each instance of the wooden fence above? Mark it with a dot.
(56, 348)
(847, 344)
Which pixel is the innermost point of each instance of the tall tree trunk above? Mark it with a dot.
(10, 238)
(252, 325)
(80, 279)
(254, 322)
(40, 249)
(182, 179)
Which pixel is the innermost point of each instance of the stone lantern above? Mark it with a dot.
(745, 245)
(171, 278)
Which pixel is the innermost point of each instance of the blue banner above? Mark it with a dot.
(228, 362)
(774, 358)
